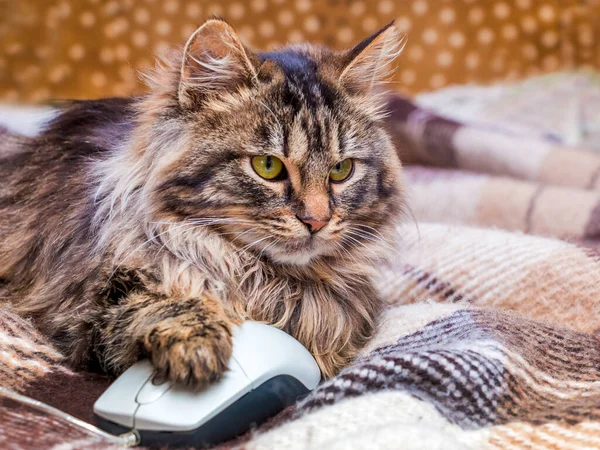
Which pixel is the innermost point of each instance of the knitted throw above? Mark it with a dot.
(489, 340)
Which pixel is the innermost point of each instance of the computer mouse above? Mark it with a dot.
(268, 371)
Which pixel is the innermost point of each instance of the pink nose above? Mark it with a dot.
(315, 225)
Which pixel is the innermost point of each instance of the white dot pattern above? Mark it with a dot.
(97, 46)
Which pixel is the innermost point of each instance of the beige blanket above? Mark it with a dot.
(490, 337)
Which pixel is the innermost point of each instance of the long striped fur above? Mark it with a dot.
(137, 227)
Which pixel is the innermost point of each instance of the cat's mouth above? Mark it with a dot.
(297, 247)
(299, 251)
(300, 257)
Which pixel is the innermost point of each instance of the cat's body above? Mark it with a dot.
(136, 227)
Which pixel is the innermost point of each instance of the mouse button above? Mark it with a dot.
(264, 351)
(117, 403)
(234, 365)
(151, 392)
(183, 409)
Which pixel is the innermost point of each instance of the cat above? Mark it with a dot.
(243, 186)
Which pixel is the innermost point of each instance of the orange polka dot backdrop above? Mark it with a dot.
(93, 48)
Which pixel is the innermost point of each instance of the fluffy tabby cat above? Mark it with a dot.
(246, 185)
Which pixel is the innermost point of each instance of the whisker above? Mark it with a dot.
(135, 250)
(414, 220)
(243, 233)
(254, 243)
(371, 228)
(268, 109)
(375, 240)
(178, 233)
(381, 239)
(213, 218)
(277, 241)
(347, 252)
(361, 244)
(371, 238)
(217, 221)
(356, 232)
(194, 224)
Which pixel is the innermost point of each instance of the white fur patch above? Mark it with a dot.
(26, 120)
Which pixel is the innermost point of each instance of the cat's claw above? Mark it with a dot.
(191, 356)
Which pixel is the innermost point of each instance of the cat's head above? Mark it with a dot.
(281, 153)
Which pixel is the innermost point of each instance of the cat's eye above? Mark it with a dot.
(268, 167)
(341, 171)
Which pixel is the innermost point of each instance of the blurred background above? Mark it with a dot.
(93, 48)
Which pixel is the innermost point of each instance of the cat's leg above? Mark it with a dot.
(187, 340)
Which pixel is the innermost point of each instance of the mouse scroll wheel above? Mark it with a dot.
(150, 392)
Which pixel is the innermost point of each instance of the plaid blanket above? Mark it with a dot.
(489, 340)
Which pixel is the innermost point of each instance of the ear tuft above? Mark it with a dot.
(370, 62)
(214, 61)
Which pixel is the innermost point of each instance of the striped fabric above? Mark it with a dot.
(507, 203)
(489, 338)
(489, 341)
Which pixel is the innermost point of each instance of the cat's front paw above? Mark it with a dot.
(193, 354)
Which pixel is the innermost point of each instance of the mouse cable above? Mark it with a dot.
(129, 439)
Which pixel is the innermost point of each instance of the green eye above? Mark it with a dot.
(341, 171)
(268, 167)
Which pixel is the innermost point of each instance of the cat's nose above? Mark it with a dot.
(312, 224)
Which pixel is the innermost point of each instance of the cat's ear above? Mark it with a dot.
(214, 61)
(369, 63)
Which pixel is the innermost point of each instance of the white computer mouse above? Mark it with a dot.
(268, 371)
